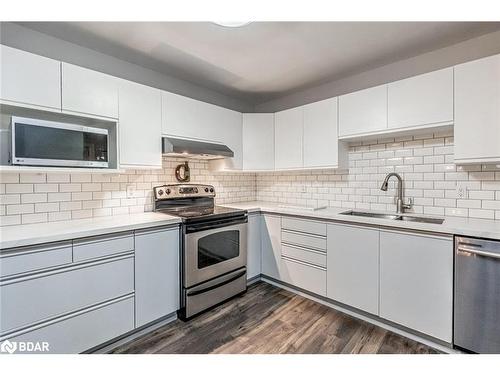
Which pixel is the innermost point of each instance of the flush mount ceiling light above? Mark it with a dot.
(232, 23)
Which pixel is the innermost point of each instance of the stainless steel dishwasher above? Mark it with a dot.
(477, 295)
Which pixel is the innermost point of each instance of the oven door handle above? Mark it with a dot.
(192, 228)
(229, 278)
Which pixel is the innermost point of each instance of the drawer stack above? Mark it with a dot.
(58, 292)
(303, 254)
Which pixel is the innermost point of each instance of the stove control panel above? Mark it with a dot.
(183, 191)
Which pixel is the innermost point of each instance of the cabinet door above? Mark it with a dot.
(188, 118)
(422, 100)
(227, 125)
(416, 282)
(288, 139)
(156, 274)
(271, 246)
(477, 111)
(30, 79)
(320, 134)
(363, 112)
(258, 141)
(253, 246)
(352, 266)
(88, 91)
(140, 126)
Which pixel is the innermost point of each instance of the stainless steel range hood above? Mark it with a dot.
(195, 149)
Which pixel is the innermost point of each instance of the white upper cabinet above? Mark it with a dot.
(425, 99)
(258, 141)
(140, 126)
(288, 141)
(477, 111)
(227, 125)
(321, 147)
(189, 118)
(29, 79)
(89, 92)
(363, 112)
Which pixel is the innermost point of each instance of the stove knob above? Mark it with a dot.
(206, 190)
(160, 192)
(211, 190)
(167, 191)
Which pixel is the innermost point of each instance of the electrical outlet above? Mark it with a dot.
(130, 191)
(302, 189)
(461, 191)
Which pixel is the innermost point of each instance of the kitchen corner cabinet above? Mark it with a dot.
(321, 148)
(254, 245)
(156, 274)
(422, 100)
(288, 131)
(139, 126)
(416, 282)
(363, 112)
(89, 92)
(271, 246)
(477, 111)
(258, 141)
(29, 79)
(353, 266)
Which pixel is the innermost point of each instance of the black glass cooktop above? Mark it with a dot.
(207, 212)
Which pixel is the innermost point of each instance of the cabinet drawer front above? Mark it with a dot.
(306, 226)
(312, 279)
(85, 330)
(97, 247)
(304, 240)
(304, 255)
(34, 258)
(26, 301)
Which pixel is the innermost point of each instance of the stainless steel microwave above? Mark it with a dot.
(48, 143)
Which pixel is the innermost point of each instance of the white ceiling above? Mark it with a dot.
(263, 60)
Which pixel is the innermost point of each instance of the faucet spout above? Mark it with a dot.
(400, 206)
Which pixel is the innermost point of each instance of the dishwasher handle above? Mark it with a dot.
(464, 249)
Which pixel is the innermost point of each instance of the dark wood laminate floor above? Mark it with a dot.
(268, 319)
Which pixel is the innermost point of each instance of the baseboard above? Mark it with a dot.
(433, 343)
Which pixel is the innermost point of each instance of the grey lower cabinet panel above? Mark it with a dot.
(82, 331)
(254, 246)
(271, 246)
(26, 301)
(102, 246)
(34, 258)
(353, 266)
(416, 282)
(156, 274)
(304, 276)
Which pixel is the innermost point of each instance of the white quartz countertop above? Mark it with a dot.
(31, 234)
(451, 225)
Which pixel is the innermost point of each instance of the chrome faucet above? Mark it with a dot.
(400, 205)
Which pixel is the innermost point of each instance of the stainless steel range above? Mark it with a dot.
(213, 243)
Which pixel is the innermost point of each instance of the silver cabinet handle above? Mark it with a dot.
(487, 254)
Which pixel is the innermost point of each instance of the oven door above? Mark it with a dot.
(211, 252)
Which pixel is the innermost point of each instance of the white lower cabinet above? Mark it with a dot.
(254, 246)
(352, 264)
(304, 275)
(271, 246)
(416, 282)
(156, 274)
(85, 330)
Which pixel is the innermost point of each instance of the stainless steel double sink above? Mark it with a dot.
(417, 219)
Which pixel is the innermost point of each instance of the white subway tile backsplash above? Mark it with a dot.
(424, 161)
